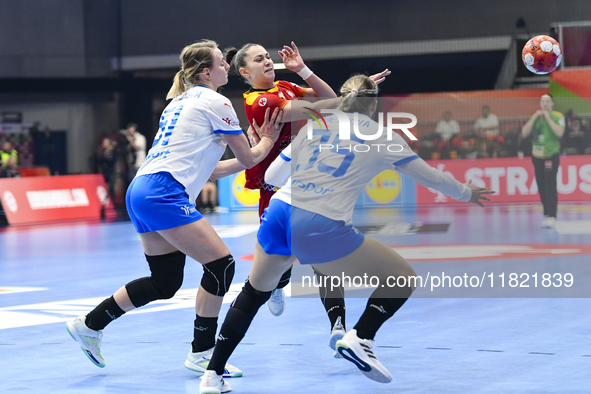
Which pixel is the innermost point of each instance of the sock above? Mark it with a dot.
(335, 311)
(333, 301)
(284, 280)
(377, 311)
(231, 333)
(237, 321)
(204, 330)
(103, 314)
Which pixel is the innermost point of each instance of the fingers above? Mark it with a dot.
(267, 112)
(277, 115)
(295, 48)
(255, 124)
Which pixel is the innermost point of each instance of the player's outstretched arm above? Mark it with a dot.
(428, 176)
(293, 61)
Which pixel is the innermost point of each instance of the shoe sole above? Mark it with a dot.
(372, 373)
(333, 344)
(334, 339)
(86, 352)
(199, 372)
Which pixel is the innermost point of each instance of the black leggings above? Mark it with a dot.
(546, 170)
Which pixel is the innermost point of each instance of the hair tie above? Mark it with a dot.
(355, 91)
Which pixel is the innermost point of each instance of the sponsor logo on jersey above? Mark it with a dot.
(188, 209)
(227, 120)
(263, 101)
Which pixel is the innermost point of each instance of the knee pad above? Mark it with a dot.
(218, 275)
(167, 277)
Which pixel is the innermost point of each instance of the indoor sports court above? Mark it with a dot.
(115, 115)
(520, 343)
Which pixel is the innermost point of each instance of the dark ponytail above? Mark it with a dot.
(229, 55)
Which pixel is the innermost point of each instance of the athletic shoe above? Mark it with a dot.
(277, 302)
(198, 362)
(89, 340)
(338, 331)
(212, 383)
(549, 222)
(359, 352)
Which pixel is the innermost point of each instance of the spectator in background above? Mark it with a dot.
(488, 123)
(6, 153)
(136, 149)
(208, 198)
(449, 131)
(448, 127)
(574, 137)
(107, 159)
(547, 127)
(9, 170)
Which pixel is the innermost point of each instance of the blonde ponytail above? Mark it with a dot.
(359, 93)
(194, 59)
(178, 86)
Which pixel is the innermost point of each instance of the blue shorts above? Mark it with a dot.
(312, 238)
(159, 202)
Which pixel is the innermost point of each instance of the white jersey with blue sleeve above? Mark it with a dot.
(190, 139)
(328, 173)
(279, 171)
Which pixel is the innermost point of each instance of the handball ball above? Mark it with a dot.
(541, 55)
(260, 105)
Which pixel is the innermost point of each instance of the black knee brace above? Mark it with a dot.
(218, 275)
(166, 279)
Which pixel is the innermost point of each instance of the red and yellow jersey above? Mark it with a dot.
(255, 103)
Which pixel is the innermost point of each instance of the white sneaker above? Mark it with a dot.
(198, 362)
(544, 222)
(212, 383)
(89, 340)
(359, 352)
(276, 303)
(549, 222)
(338, 331)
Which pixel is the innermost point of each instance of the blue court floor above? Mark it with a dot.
(472, 340)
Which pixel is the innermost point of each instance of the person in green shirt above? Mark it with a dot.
(6, 153)
(547, 127)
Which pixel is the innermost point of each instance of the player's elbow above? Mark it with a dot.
(247, 162)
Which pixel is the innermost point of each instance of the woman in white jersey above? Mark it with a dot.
(194, 129)
(310, 218)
